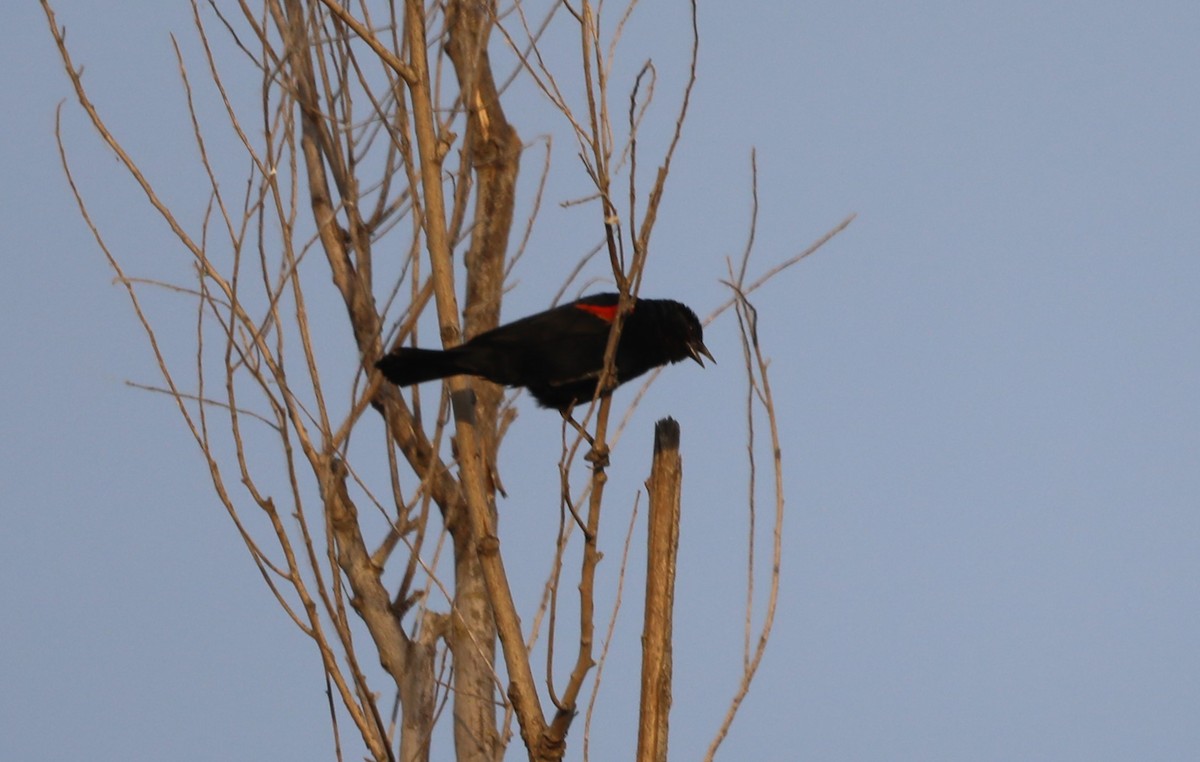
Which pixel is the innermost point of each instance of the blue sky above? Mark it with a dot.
(989, 389)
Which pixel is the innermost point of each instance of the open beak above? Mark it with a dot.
(697, 350)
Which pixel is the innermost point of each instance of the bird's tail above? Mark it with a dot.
(406, 366)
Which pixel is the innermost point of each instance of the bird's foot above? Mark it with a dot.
(597, 456)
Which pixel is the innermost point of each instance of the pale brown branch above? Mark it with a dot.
(759, 376)
(366, 35)
(757, 283)
(758, 390)
(522, 689)
(612, 626)
(641, 241)
(662, 551)
(204, 401)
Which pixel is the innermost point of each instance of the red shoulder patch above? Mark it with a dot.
(607, 313)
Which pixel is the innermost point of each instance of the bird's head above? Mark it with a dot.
(692, 333)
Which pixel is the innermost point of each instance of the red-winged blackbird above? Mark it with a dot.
(558, 354)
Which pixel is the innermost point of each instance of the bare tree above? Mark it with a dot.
(378, 156)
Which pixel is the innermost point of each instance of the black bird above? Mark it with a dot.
(558, 354)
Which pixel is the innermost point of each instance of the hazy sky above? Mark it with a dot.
(989, 390)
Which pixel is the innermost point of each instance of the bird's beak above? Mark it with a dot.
(697, 350)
